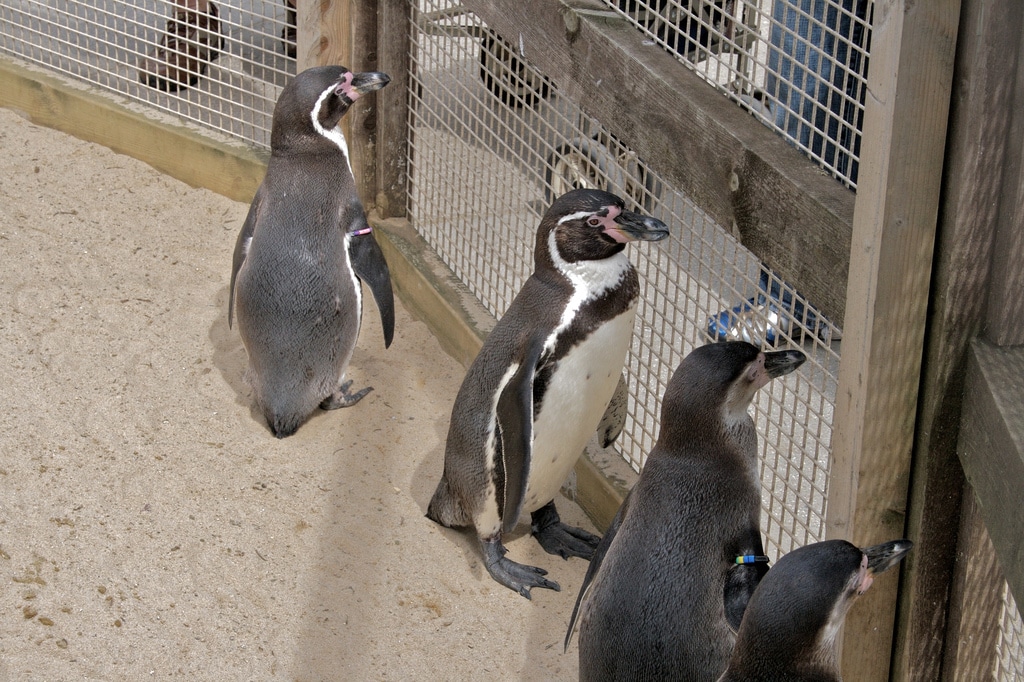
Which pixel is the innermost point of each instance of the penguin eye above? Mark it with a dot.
(593, 222)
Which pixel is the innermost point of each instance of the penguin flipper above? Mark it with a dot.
(242, 248)
(515, 425)
(370, 266)
(742, 579)
(595, 566)
(614, 418)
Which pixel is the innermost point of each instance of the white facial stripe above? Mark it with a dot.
(334, 134)
(574, 216)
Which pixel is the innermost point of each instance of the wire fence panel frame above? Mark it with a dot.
(800, 66)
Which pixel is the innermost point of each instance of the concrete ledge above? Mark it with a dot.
(422, 281)
(182, 152)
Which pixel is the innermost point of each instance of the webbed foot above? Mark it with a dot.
(518, 577)
(558, 538)
(342, 398)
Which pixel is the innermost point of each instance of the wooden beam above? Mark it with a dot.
(232, 169)
(1005, 320)
(980, 117)
(991, 450)
(907, 106)
(977, 595)
(744, 175)
(393, 36)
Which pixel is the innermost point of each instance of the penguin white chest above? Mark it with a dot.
(574, 401)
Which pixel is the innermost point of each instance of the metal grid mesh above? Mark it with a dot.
(493, 142)
(799, 66)
(228, 64)
(1010, 650)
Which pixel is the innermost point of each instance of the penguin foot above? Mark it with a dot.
(342, 398)
(517, 577)
(561, 539)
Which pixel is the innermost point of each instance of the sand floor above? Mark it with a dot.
(150, 525)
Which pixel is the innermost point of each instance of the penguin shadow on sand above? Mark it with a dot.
(229, 354)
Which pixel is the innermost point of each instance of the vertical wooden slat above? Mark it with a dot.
(977, 595)
(907, 105)
(394, 30)
(1005, 321)
(980, 115)
(324, 33)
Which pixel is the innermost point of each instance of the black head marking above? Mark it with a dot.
(590, 224)
(312, 104)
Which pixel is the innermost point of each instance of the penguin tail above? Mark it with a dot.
(445, 508)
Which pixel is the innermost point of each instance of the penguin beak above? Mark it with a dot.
(886, 555)
(782, 362)
(362, 83)
(633, 226)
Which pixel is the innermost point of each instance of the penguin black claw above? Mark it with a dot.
(560, 538)
(342, 397)
(515, 576)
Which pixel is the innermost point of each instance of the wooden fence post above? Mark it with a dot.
(979, 141)
(909, 81)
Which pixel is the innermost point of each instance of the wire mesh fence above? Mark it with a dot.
(799, 66)
(493, 141)
(213, 63)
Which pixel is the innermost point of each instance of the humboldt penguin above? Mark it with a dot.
(541, 383)
(302, 252)
(668, 584)
(789, 628)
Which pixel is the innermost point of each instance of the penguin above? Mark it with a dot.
(541, 383)
(668, 584)
(789, 628)
(302, 252)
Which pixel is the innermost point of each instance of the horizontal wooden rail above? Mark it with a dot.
(991, 449)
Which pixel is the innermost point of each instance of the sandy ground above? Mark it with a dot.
(150, 525)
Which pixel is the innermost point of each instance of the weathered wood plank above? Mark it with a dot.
(1005, 322)
(907, 106)
(977, 594)
(393, 35)
(234, 170)
(979, 123)
(745, 176)
(991, 449)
